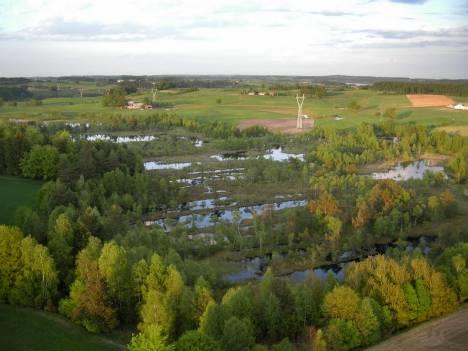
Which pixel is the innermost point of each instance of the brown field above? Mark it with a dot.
(286, 126)
(447, 333)
(425, 100)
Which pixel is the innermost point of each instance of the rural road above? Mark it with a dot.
(446, 333)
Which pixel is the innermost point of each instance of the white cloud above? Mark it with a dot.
(231, 36)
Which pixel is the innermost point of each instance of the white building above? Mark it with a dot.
(460, 106)
(133, 105)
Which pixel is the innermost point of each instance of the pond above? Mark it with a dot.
(157, 165)
(274, 154)
(201, 221)
(337, 270)
(118, 139)
(201, 177)
(413, 170)
(277, 154)
(254, 268)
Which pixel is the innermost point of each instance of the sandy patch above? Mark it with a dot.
(425, 100)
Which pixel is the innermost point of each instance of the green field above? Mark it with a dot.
(234, 107)
(15, 192)
(24, 329)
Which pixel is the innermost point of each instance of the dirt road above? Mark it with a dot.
(446, 333)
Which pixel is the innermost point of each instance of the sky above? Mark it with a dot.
(398, 38)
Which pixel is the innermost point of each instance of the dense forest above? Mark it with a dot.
(82, 249)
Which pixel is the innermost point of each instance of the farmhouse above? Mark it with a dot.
(460, 106)
(133, 105)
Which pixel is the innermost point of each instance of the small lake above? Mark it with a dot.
(413, 170)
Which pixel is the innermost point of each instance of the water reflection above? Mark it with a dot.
(201, 221)
(274, 154)
(118, 139)
(156, 165)
(414, 170)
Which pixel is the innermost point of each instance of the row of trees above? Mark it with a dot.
(453, 89)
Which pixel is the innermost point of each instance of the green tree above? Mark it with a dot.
(115, 97)
(162, 298)
(237, 335)
(319, 342)
(27, 272)
(93, 307)
(40, 162)
(60, 243)
(341, 335)
(196, 341)
(283, 345)
(63, 141)
(113, 266)
(366, 321)
(202, 298)
(459, 167)
(212, 321)
(152, 339)
(341, 303)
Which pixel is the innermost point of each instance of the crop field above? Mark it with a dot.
(426, 100)
(15, 192)
(229, 105)
(24, 329)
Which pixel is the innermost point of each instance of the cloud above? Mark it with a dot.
(410, 2)
(58, 29)
(457, 32)
(415, 44)
(332, 13)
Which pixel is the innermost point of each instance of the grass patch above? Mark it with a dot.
(16, 192)
(234, 108)
(24, 329)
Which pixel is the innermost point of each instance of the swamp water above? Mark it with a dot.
(413, 170)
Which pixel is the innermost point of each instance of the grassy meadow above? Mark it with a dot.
(24, 329)
(234, 107)
(15, 192)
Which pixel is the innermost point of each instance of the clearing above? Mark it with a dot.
(27, 329)
(287, 126)
(16, 192)
(425, 100)
(446, 333)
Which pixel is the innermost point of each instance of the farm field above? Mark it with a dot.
(24, 329)
(448, 333)
(427, 100)
(15, 192)
(229, 105)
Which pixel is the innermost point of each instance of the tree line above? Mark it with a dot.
(453, 89)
